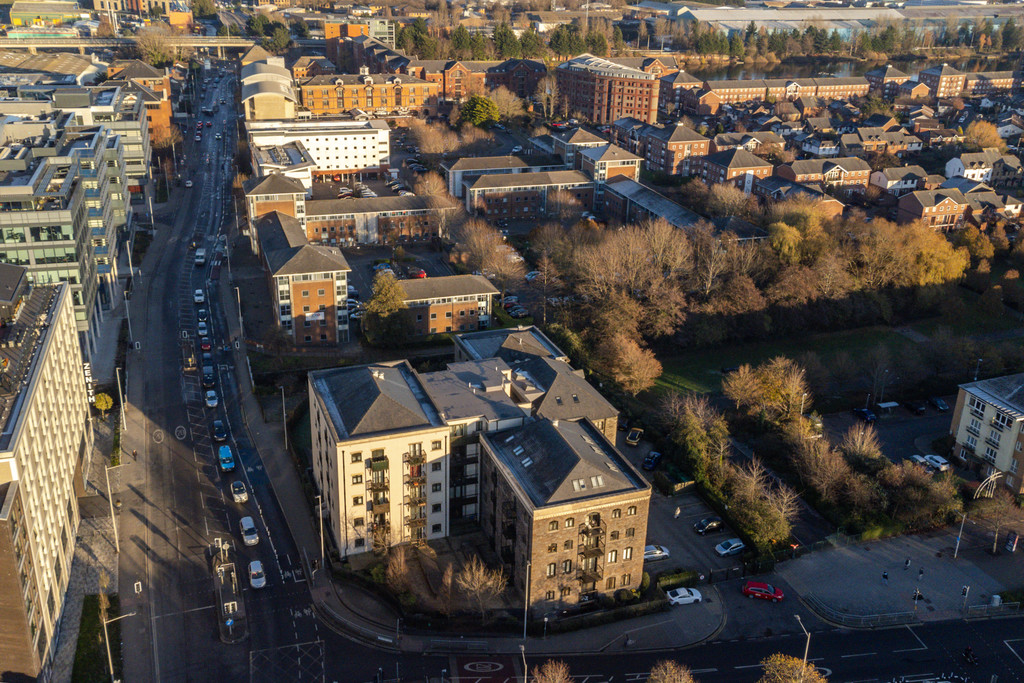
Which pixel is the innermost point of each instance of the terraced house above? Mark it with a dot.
(847, 174)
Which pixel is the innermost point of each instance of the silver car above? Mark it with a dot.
(257, 578)
(733, 546)
(249, 534)
(238, 492)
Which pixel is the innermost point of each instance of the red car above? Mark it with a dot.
(209, 124)
(764, 591)
(417, 272)
(204, 343)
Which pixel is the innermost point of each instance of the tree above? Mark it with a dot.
(995, 509)
(103, 404)
(633, 368)
(506, 42)
(531, 44)
(153, 45)
(509, 105)
(447, 589)
(552, 672)
(203, 8)
(481, 584)
(728, 200)
(300, 28)
(548, 95)
(167, 138)
(397, 570)
(258, 25)
(546, 281)
(597, 44)
(384, 321)
(781, 668)
(278, 40)
(982, 134)
(479, 110)
(430, 185)
(460, 42)
(667, 671)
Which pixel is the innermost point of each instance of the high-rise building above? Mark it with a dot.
(46, 435)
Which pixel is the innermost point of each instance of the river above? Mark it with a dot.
(808, 69)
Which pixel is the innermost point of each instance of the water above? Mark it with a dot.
(817, 68)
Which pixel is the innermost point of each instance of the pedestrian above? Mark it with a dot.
(885, 578)
(135, 455)
(906, 565)
(677, 513)
(920, 574)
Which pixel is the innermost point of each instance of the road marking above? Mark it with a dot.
(1015, 653)
(748, 666)
(861, 654)
(187, 611)
(703, 671)
(913, 649)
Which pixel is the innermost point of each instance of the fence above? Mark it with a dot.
(859, 620)
(457, 645)
(993, 610)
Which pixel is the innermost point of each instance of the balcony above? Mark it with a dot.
(594, 549)
(416, 499)
(377, 484)
(977, 413)
(995, 425)
(414, 458)
(416, 522)
(378, 464)
(994, 443)
(973, 430)
(592, 529)
(381, 506)
(416, 479)
(587, 575)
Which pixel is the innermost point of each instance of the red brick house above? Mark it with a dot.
(737, 167)
(848, 174)
(942, 209)
(671, 149)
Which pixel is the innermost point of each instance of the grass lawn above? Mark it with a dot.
(971, 321)
(701, 371)
(91, 654)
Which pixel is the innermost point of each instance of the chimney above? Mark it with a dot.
(364, 70)
(554, 423)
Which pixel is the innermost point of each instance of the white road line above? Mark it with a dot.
(703, 671)
(861, 654)
(748, 666)
(187, 611)
(1015, 653)
(913, 649)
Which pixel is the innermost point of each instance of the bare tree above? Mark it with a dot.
(710, 260)
(667, 671)
(510, 106)
(728, 200)
(564, 206)
(547, 282)
(167, 138)
(507, 269)
(430, 185)
(862, 449)
(153, 45)
(995, 509)
(548, 95)
(481, 584)
(397, 571)
(447, 590)
(552, 672)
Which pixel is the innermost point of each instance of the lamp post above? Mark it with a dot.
(241, 327)
(106, 640)
(959, 535)
(128, 315)
(113, 520)
(977, 369)
(807, 645)
(120, 396)
(526, 600)
(320, 516)
(522, 650)
(284, 419)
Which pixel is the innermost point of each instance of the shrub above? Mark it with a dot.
(378, 573)
(686, 577)
(407, 599)
(645, 583)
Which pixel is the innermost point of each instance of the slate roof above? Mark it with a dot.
(471, 389)
(609, 153)
(577, 136)
(736, 158)
(822, 166)
(887, 71)
(135, 68)
(505, 161)
(275, 183)
(943, 70)
(681, 78)
(896, 173)
(509, 344)
(286, 250)
(255, 54)
(567, 394)
(422, 289)
(929, 198)
(499, 180)
(677, 133)
(1005, 393)
(652, 201)
(324, 207)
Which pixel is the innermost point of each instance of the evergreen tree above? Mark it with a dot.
(506, 42)
(384, 322)
(597, 44)
(479, 111)
(736, 47)
(835, 43)
(460, 42)
(751, 32)
(478, 46)
(618, 42)
(530, 44)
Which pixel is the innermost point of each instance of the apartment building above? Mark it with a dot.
(943, 80)
(737, 167)
(671, 88)
(337, 147)
(462, 172)
(308, 66)
(569, 143)
(609, 161)
(940, 209)
(455, 303)
(629, 201)
(900, 180)
(155, 89)
(44, 409)
(886, 80)
(308, 283)
(512, 344)
(729, 91)
(377, 95)
(672, 149)
(991, 82)
(564, 510)
(867, 140)
(601, 91)
(988, 426)
(846, 174)
(526, 195)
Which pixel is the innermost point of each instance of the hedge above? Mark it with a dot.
(687, 577)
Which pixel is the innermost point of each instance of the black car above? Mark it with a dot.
(651, 461)
(865, 415)
(938, 404)
(916, 407)
(202, 315)
(707, 525)
(220, 433)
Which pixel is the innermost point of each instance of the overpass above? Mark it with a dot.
(218, 43)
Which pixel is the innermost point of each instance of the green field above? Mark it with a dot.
(701, 371)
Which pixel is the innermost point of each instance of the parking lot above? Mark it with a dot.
(897, 431)
(361, 260)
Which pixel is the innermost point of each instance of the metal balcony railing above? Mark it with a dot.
(414, 458)
(416, 522)
(594, 549)
(592, 528)
(586, 575)
(375, 484)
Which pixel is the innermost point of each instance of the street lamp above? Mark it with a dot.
(522, 650)
(977, 369)
(128, 315)
(241, 328)
(807, 645)
(113, 520)
(284, 420)
(526, 599)
(120, 396)
(106, 640)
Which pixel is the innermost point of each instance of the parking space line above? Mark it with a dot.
(913, 649)
(860, 654)
(1010, 648)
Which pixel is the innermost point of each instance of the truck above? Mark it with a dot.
(188, 356)
(200, 257)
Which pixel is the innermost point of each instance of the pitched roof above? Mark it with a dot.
(736, 158)
(652, 202)
(929, 198)
(904, 172)
(681, 78)
(677, 133)
(505, 161)
(422, 289)
(500, 180)
(943, 70)
(887, 71)
(577, 136)
(510, 344)
(255, 54)
(275, 183)
(608, 153)
(822, 166)
(322, 207)
(600, 65)
(134, 68)
(567, 394)
(286, 250)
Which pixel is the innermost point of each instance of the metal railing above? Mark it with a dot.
(992, 610)
(858, 620)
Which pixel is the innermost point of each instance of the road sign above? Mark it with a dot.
(229, 623)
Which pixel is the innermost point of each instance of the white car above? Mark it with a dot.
(188, 183)
(923, 462)
(733, 546)
(199, 296)
(683, 596)
(211, 399)
(249, 534)
(656, 552)
(202, 329)
(257, 579)
(517, 149)
(938, 462)
(238, 492)
(532, 275)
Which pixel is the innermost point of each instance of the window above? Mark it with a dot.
(435, 467)
(357, 479)
(630, 532)
(613, 556)
(551, 569)
(567, 545)
(435, 529)
(553, 526)
(614, 535)
(360, 542)
(631, 510)
(616, 513)
(627, 553)
(566, 566)
(552, 547)
(627, 579)
(569, 523)
(358, 521)
(435, 488)
(566, 592)
(435, 445)
(550, 595)
(357, 500)
(610, 583)
(357, 457)
(436, 507)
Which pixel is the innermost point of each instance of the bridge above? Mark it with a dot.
(218, 43)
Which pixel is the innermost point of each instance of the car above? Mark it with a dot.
(938, 462)
(532, 275)
(204, 344)
(865, 415)
(188, 183)
(651, 461)
(226, 459)
(634, 436)
(916, 407)
(519, 313)
(249, 534)
(199, 297)
(202, 329)
(417, 273)
(217, 136)
(920, 460)
(257, 579)
(733, 546)
(683, 596)
(211, 399)
(353, 293)
(939, 404)
(517, 149)
(510, 299)
(219, 431)
(238, 492)
(209, 124)
(202, 315)
(198, 137)
(381, 266)
(653, 553)
(707, 525)
(498, 126)
(762, 591)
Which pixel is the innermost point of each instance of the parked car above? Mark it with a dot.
(651, 461)
(238, 492)
(938, 462)
(762, 591)
(733, 546)
(417, 273)
(220, 433)
(707, 525)
(653, 553)
(634, 436)
(202, 329)
(257, 579)
(683, 596)
(939, 404)
(519, 313)
(204, 344)
(916, 407)
(249, 534)
(211, 399)
(226, 458)
(865, 415)
(532, 275)
(188, 183)
(923, 462)
(202, 315)
(199, 297)
(517, 149)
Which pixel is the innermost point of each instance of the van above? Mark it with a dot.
(200, 257)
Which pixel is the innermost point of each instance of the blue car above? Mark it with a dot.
(865, 415)
(226, 459)
(651, 461)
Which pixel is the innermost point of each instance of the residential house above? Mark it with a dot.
(914, 90)
(939, 209)
(866, 141)
(820, 146)
(846, 174)
(671, 149)
(735, 166)
(900, 180)
(748, 141)
(988, 166)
